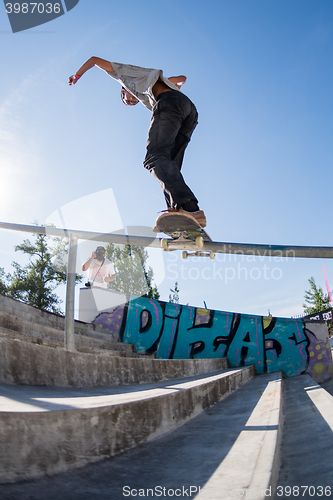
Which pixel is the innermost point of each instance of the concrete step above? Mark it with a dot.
(45, 431)
(307, 443)
(16, 328)
(26, 311)
(26, 363)
(127, 349)
(16, 316)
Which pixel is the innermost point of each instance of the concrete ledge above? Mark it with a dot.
(307, 438)
(250, 467)
(31, 364)
(37, 443)
(269, 415)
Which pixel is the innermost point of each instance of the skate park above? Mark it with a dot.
(155, 399)
(228, 393)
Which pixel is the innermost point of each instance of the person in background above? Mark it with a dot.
(100, 270)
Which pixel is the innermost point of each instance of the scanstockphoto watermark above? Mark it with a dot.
(193, 491)
(24, 15)
(225, 274)
(228, 267)
(228, 254)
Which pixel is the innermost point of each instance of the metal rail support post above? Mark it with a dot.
(70, 291)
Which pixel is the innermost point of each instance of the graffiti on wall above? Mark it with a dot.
(174, 331)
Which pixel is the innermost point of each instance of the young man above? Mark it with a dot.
(174, 118)
(100, 270)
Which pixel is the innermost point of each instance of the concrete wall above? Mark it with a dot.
(94, 300)
(174, 331)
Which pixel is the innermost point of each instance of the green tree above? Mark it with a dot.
(35, 282)
(316, 300)
(3, 281)
(132, 275)
(174, 298)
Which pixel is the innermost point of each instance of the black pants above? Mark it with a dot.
(173, 121)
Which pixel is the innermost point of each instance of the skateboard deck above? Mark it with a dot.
(185, 232)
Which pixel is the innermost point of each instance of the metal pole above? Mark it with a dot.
(70, 291)
(289, 251)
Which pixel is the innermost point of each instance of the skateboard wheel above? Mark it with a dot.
(199, 241)
(184, 254)
(212, 255)
(164, 244)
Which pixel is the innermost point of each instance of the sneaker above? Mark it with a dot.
(198, 215)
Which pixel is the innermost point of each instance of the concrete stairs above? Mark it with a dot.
(103, 424)
(218, 431)
(47, 431)
(23, 322)
(266, 439)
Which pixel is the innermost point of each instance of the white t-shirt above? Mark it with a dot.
(139, 81)
(97, 273)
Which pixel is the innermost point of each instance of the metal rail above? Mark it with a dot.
(153, 242)
(287, 251)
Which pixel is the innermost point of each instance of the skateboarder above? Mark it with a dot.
(174, 118)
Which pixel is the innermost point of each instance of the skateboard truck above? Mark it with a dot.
(211, 255)
(182, 242)
(186, 234)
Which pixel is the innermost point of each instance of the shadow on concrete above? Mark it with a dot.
(185, 458)
(17, 397)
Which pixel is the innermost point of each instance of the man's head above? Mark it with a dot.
(100, 253)
(128, 98)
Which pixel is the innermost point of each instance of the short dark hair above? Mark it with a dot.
(122, 97)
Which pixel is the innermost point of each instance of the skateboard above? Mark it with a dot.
(186, 234)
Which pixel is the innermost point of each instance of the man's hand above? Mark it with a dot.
(86, 265)
(177, 80)
(72, 80)
(93, 61)
(110, 278)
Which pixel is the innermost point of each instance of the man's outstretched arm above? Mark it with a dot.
(93, 61)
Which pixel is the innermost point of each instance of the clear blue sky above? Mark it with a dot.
(260, 161)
